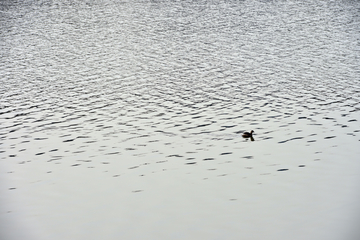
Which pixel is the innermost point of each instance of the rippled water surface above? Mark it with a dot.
(123, 119)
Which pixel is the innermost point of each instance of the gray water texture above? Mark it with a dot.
(142, 69)
(120, 85)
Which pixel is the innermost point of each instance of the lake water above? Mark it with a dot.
(123, 119)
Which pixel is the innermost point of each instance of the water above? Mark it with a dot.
(123, 119)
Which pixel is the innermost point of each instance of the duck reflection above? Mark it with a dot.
(248, 135)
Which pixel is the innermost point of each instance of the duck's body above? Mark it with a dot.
(247, 134)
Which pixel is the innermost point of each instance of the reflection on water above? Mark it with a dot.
(132, 114)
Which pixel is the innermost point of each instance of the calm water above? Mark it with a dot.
(123, 119)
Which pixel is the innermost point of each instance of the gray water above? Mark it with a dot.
(123, 119)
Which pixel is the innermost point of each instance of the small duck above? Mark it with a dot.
(247, 134)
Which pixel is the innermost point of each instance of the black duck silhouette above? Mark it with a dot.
(247, 134)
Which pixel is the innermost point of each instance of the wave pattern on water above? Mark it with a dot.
(163, 70)
(139, 88)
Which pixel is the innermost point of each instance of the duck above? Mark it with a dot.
(247, 134)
